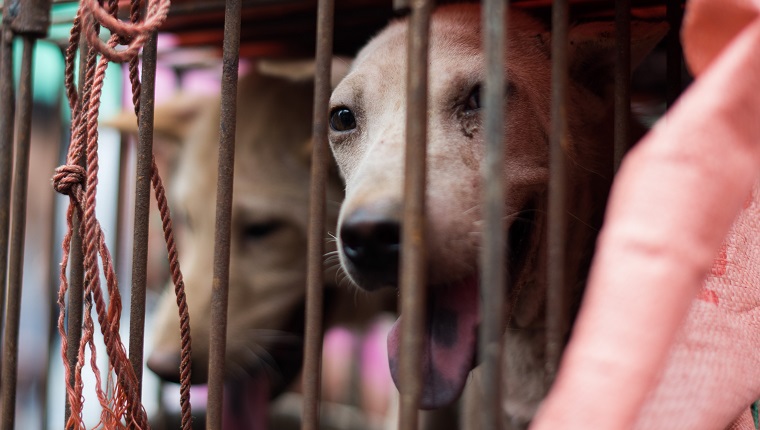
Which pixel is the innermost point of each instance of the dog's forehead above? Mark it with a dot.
(455, 31)
(455, 44)
(381, 64)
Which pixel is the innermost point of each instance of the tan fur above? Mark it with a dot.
(371, 160)
(271, 191)
(267, 274)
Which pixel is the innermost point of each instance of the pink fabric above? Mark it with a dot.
(745, 421)
(675, 199)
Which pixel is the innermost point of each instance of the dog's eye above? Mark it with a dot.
(260, 230)
(342, 119)
(473, 100)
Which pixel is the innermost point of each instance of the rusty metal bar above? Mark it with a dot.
(54, 255)
(75, 306)
(121, 203)
(413, 281)
(622, 80)
(492, 273)
(18, 229)
(142, 208)
(312, 368)
(30, 17)
(555, 303)
(220, 285)
(674, 51)
(7, 111)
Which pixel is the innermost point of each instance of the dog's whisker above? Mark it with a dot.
(575, 217)
(257, 356)
(332, 264)
(236, 370)
(467, 211)
(280, 336)
(344, 281)
(331, 258)
(336, 267)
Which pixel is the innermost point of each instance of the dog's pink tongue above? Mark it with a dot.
(450, 338)
(246, 405)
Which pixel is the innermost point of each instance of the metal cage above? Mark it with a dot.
(29, 20)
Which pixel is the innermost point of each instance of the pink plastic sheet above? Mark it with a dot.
(669, 333)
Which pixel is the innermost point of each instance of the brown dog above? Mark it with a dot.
(268, 248)
(367, 138)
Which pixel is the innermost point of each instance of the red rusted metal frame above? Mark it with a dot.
(54, 254)
(7, 112)
(143, 175)
(493, 254)
(29, 20)
(312, 369)
(413, 280)
(556, 308)
(220, 285)
(75, 305)
(18, 229)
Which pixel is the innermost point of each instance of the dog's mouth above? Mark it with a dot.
(451, 331)
(246, 404)
(251, 383)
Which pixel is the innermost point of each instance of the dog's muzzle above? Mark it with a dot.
(370, 243)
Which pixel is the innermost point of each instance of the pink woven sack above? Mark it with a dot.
(669, 332)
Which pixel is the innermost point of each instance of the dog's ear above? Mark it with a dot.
(592, 51)
(172, 120)
(303, 70)
(172, 124)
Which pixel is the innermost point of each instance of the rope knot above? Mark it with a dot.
(68, 176)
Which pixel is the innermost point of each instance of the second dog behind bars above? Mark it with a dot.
(264, 348)
(367, 119)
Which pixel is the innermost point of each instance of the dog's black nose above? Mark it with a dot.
(372, 244)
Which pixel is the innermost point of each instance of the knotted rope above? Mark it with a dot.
(121, 407)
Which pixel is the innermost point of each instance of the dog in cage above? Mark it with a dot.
(367, 135)
(268, 256)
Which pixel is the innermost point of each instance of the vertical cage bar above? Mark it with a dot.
(493, 274)
(52, 283)
(220, 284)
(555, 303)
(75, 306)
(413, 280)
(622, 79)
(121, 202)
(674, 51)
(142, 208)
(312, 369)
(16, 266)
(7, 112)
(56, 232)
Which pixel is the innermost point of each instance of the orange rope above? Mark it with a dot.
(122, 406)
